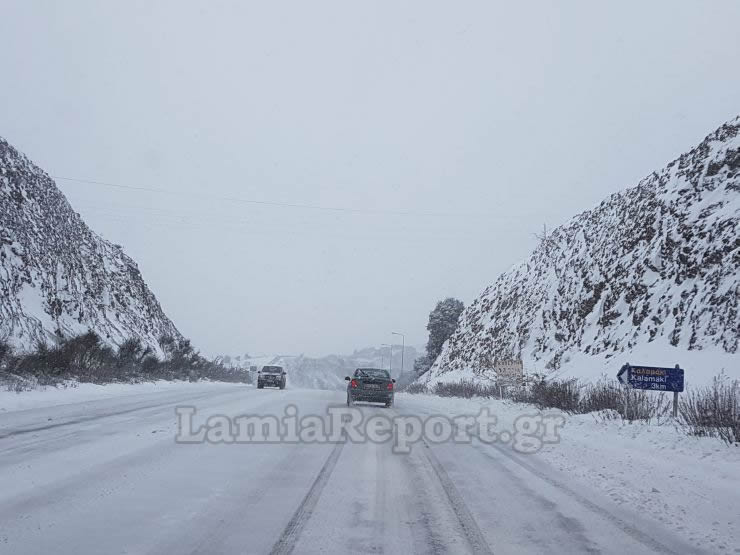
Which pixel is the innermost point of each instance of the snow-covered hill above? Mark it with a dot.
(57, 277)
(652, 275)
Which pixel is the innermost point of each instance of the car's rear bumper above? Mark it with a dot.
(371, 396)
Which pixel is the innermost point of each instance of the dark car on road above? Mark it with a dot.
(370, 384)
(271, 376)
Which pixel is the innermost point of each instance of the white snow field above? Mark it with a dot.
(106, 475)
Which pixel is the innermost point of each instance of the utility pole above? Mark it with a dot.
(403, 348)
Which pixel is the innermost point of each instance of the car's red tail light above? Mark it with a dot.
(353, 383)
(390, 386)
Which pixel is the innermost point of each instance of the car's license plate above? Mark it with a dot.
(372, 386)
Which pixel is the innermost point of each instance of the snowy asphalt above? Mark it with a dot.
(107, 476)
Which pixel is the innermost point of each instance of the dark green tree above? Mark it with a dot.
(442, 324)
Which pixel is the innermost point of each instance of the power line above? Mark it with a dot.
(174, 219)
(375, 211)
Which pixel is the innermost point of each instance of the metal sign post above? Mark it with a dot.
(675, 395)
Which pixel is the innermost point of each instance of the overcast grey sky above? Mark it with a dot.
(478, 121)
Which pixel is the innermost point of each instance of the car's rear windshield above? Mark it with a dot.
(373, 373)
(272, 369)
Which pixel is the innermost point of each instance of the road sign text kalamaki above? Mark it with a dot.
(654, 378)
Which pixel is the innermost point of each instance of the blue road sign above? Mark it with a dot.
(653, 378)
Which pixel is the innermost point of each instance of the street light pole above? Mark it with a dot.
(403, 347)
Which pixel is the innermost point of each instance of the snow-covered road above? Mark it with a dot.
(107, 476)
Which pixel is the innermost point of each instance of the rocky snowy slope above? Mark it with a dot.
(57, 277)
(652, 272)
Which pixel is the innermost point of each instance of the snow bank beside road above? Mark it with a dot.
(690, 485)
(700, 366)
(51, 396)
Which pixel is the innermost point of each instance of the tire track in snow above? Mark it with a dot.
(213, 541)
(471, 530)
(636, 534)
(289, 537)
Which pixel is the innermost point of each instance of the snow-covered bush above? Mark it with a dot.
(713, 411)
(465, 388)
(86, 358)
(612, 399)
(415, 388)
(552, 394)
